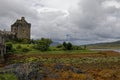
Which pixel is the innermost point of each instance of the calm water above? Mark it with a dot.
(117, 50)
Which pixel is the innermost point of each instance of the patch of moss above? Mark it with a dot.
(31, 59)
(8, 77)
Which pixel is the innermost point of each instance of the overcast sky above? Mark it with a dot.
(79, 21)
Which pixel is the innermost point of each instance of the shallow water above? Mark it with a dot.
(117, 50)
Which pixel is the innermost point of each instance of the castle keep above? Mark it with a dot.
(21, 28)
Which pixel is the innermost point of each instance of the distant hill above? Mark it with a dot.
(105, 45)
(55, 43)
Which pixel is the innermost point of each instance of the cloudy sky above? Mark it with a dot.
(79, 21)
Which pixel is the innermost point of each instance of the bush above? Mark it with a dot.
(43, 44)
(23, 41)
(67, 46)
(8, 77)
(25, 50)
(59, 46)
(75, 48)
(19, 47)
(9, 47)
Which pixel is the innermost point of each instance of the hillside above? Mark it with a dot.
(106, 45)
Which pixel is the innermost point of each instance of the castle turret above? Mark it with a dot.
(21, 28)
(23, 18)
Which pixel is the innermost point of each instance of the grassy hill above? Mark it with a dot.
(106, 45)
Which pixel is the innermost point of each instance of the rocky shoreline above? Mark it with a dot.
(37, 71)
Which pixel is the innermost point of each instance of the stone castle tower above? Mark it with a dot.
(21, 28)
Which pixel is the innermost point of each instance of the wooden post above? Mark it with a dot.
(2, 47)
(2, 54)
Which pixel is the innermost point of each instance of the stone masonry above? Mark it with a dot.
(21, 28)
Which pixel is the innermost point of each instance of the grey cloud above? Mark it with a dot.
(90, 22)
(93, 19)
(12, 10)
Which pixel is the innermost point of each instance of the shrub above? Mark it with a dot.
(25, 50)
(59, 46)
(19, 47)
(31, 59)
(43, 44)
(8, 77)
(67, 46)
(75, 47)
(9, 47)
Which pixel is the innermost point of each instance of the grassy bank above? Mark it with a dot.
(58, 64)
(67, 66)
(7, 76)
(29, 49)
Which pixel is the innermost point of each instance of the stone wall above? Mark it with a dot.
(21, 28)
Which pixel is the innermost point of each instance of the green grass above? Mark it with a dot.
(63, 52)
(69, 60)
(23, 45)
(53, 50)
(8, 77)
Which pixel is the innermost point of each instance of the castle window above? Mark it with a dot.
(14, 29)
(23, 31)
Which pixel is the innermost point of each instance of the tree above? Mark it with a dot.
(67, 46)
(64, 44)
(43, 44)
(85, 47)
